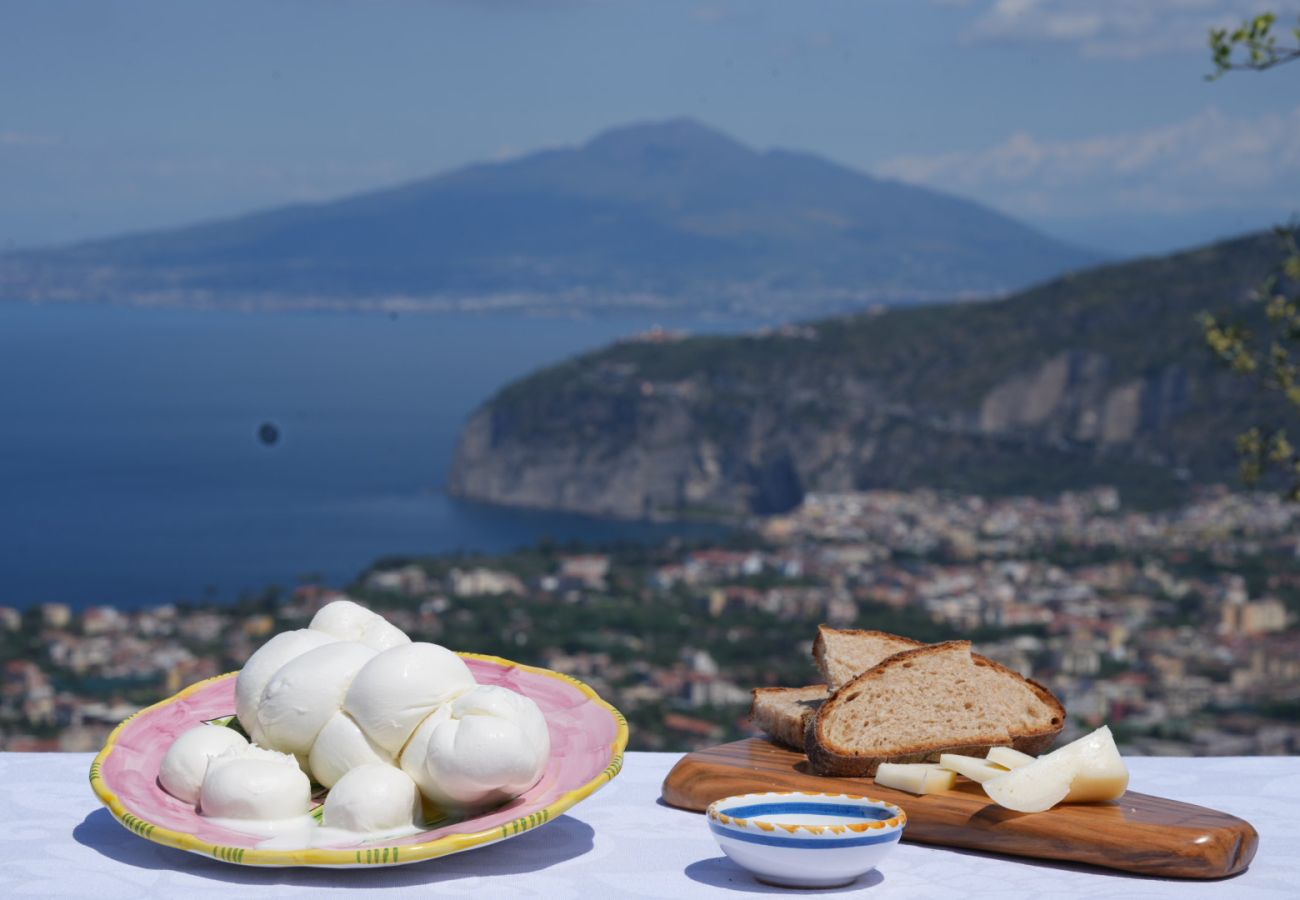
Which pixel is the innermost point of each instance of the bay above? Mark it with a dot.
(132, 472)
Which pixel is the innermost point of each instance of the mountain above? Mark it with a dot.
(669, 213)
(1096, 377)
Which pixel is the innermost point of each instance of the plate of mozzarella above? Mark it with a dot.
(348, 744)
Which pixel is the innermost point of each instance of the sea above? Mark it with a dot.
(159, 455)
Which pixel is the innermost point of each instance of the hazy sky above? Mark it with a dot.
(1089, 119)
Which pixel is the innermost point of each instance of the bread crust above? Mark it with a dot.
(819, 643)
(827, 759)
(775, 717)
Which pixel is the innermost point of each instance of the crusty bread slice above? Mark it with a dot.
(842, 654)
(784, 713)
(929, 700)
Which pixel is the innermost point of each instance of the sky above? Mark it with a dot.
(1090, 120)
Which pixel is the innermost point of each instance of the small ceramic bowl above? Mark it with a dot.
(797, 839)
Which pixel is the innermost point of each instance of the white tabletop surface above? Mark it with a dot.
(58, 841)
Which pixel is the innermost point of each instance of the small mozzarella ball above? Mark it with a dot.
(186, 762)
(254, 783)
(397, 689)
(342, 619)
(350, 621)
(306, 693)
(340, 747)
(263, 664)
(373, 798)
(383, 635)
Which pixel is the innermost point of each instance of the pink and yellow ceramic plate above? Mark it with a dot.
(588, 737)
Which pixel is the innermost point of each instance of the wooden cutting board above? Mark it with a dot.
(1137, 833)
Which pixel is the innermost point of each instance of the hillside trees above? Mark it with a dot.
(1270, 356)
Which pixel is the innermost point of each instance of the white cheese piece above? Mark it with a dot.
(1087, 770)
(306, 693)
(1100, 771)
(253, 783)
(340, 747)
(262, 666)
(349, 621)
(382, 634)
(916, 778)
(972, 767)
(344, 620)
(1009, 758)
(399, 688)
(372, 798)
(487, 746)
(186, 762)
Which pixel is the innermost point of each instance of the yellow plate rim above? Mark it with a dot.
(359, 857)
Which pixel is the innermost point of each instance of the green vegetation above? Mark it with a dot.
(1252, 45)
(1269, 355)
(930, 396)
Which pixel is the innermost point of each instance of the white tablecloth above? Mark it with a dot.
(58, 841)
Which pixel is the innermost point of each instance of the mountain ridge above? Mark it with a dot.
(663, 214)
(1095, 377)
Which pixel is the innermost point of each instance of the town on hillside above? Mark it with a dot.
(1178, 628)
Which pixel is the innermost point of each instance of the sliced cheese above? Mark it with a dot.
(1100, 771)
(1009, 757)
(916, 778)
(1087, 770)
(972, 767)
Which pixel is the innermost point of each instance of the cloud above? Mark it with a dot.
(1113, 28)
(27, 139)
(1211, 160)
(712, 13)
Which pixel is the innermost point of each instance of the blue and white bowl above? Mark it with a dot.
(797, 839)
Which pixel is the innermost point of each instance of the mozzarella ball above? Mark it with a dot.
(342, 619)
(494, 700)
(340, 747)
(263, 664)
(397, 689)
(187, 758)
(485, 747)
(306, 693)
(254, 783)
(383, 634)
(373, 798)
(350, 621)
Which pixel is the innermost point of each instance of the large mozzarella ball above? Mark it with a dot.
(485, 747)
(397, 689)
(306, 693)
(254, 783)
(503, 703)
(342, 746)
(262, 666)
(186, 761)
(350, 621)
(373, 798)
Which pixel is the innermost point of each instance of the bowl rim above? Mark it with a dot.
(353, 857)
(720, 820)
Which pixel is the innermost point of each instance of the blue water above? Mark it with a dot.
(131, 471)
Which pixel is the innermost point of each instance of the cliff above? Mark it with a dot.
(1097, 377)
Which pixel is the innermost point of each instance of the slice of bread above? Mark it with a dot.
(784, 713)
(929, 700)
(842, 654)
